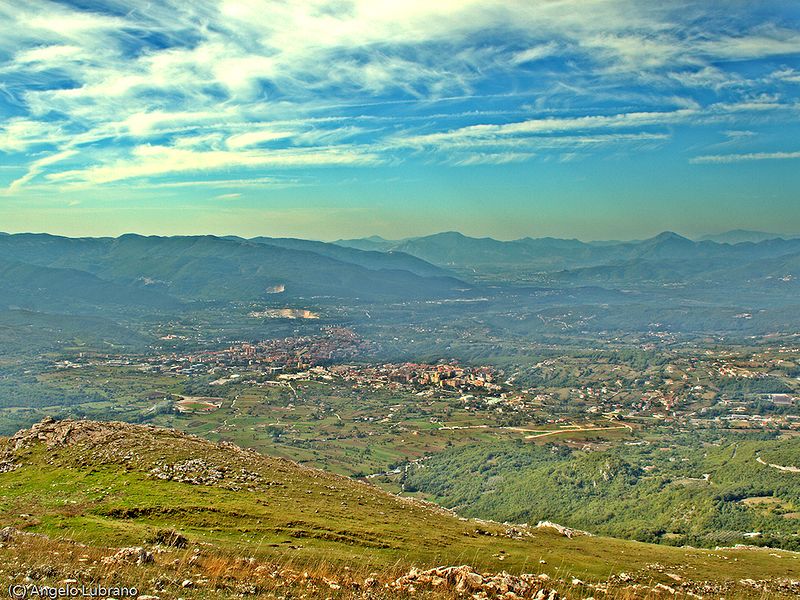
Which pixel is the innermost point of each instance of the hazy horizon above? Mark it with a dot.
(397, 239)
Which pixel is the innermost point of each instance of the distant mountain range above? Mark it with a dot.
(703, 285)
(734, 236)
(737, 236)
(667, 257)
(41, 271)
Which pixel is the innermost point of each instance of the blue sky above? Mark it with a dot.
(594, 119)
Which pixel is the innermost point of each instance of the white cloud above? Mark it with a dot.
(763, 42)
(48, 55)
(228, 76)
(249, 182)
(154, 161)
(734, 158)
(544, 126)
(38, 166)
(739, 134)
(146, 123)
(786, 75)
(554, 127)
(704, 77)
(253, 138)
(535, 53)
(501, 158)
(18, 134)
(66, 23)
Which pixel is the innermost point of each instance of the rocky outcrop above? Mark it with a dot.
(64, 433)
(146, 448)
(565, 531)
(129, 556)
(464, 580)
(169, 538)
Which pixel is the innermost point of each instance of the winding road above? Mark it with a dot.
(779, 467)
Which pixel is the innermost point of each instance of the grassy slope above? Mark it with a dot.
(96, 488)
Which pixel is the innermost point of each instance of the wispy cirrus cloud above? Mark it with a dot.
(614, 128)
(154, 161)
(750, 156)
(491, 158)
(121, 92)
(39, 166)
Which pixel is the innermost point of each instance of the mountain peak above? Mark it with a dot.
(669, 236)
(449, 234)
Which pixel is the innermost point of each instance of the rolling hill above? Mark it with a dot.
(628, 491)
(209, 268)
(175, 515)
(369, 259)
(47, 288)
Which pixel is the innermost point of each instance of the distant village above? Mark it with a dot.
(339, 354)
(325, 356)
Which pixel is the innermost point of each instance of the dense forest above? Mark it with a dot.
(697, 489)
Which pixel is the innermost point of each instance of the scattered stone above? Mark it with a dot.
(196, 471)
(464, 580)
(517, 532)
(134, 555)
(7, 465)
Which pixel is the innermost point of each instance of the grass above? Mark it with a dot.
(100, 491)
(201, 571)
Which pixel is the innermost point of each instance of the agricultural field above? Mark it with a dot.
(351, 430)
(567, 449)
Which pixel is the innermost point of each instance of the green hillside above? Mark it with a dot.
(46, 288)
(209, 268)
(370, 259)
(243, 519)
(686, 489)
